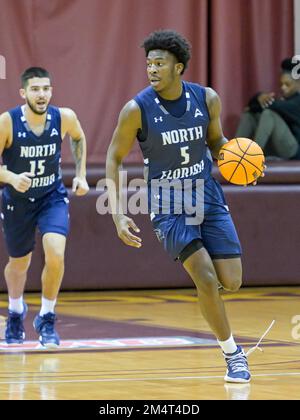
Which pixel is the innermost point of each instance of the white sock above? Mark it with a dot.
(229, 346)
(16, 305)
(47, 306)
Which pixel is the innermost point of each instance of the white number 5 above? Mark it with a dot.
(185, 155)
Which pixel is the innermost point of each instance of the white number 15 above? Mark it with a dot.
(40, 164)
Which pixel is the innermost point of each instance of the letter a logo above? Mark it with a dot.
(198, 113)
(54, 132)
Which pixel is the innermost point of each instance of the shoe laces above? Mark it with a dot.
(15, 324)
(48, 323)
(238, 362)
(256, 347)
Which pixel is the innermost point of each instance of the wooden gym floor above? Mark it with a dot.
(140, 345)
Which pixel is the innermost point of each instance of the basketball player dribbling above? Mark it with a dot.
(179, 130)
(34, 196)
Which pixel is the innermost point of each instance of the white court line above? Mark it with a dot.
(175, 378)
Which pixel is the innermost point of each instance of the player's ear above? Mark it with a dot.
(22, 93)
(179, 68)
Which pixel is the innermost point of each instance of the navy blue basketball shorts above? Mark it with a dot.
(216, 232)
(21, 218)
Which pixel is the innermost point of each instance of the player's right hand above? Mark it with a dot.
(123, 225)
(22, 182)
(261, 176)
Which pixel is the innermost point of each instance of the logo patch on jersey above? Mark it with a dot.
(54, 132)
(198, 113)
(21, 134)
(156, 119)
(11, 208)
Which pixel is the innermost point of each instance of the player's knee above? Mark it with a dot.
(233, 285)
(207, 283)
(19, 265)
(54, 257)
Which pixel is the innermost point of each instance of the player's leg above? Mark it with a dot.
(44, 323)
(53, 223)
(19, 233)
(223, 246)
(184, 242)
(19, 226)
(201, 270)
(229, 272)
(54, 246)
(15, 274)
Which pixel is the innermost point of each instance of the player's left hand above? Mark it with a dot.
(80, 186)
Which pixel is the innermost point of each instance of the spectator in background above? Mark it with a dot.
(274, 123)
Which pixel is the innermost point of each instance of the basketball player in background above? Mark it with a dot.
(34, 196)
(178, 127)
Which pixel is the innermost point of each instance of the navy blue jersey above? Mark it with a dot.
(173, 141)
(40, 155)
(175, 147)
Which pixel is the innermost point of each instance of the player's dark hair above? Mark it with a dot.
(33, 72)
(171, 41)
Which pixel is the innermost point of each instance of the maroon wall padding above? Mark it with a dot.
(266, 217)
(92, 50)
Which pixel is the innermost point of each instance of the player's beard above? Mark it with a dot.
(34, 110)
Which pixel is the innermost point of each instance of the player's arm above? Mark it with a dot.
(20, 182)
(71, 126)
(215, 136)
(122, 142)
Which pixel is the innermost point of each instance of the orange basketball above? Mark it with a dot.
(241, 161)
